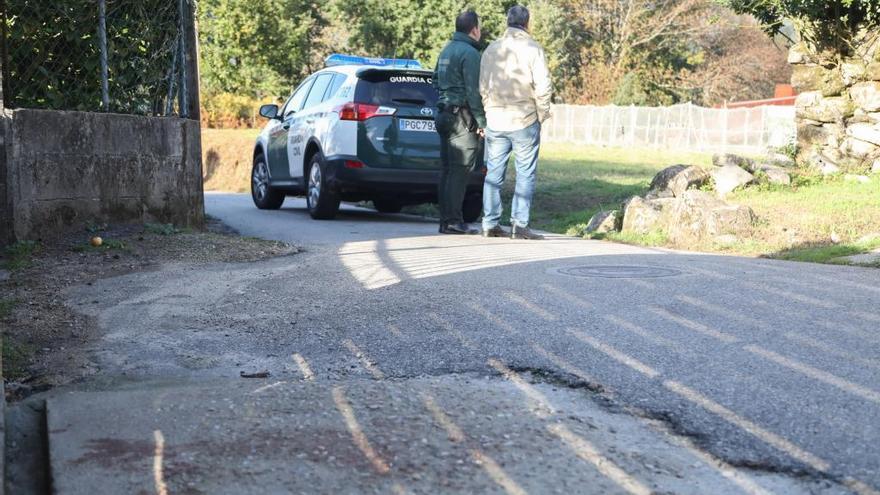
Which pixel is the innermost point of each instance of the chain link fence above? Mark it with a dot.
(121, 56)
(684, 127)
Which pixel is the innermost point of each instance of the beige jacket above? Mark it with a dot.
(515, 82)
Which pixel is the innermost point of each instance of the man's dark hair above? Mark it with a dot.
(518, 17)
(467, 21)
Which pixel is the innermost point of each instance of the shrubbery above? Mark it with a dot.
(230, 111)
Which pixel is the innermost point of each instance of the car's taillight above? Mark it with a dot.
(362, 111)
(353, 164)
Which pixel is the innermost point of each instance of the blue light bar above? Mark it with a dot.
(340, 59)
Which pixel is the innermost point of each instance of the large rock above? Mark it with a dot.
(726, 159)
(777, 160)
(775, 175)
(865, 132)
(797, 55)
(730, 177)
(641, 216)
(813, 106)
(853, 71)
(698, 215)
(807, 77)
(603, 222)
(678, 178)
(866, 95)
(857, 148)
(822, 135)
(872, 71)
(822, 163)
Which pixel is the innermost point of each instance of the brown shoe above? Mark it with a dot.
(496, 231)
(524, 233)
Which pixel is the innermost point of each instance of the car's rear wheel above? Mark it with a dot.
(387, 206)
(472, 207)
(322, 200)
(265, 198)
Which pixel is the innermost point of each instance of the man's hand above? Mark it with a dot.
(481, 133)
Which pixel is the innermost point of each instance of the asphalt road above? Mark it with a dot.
(403, 361)
(766, 364)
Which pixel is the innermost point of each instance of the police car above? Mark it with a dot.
(361, 129)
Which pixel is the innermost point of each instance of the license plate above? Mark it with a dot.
(417, 125)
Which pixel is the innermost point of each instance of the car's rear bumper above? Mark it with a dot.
(369, 182)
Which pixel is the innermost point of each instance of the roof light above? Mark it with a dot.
(340, 59)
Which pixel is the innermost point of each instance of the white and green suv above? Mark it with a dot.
(361, 129)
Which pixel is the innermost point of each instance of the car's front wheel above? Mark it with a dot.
(265, 198)
(322, 200)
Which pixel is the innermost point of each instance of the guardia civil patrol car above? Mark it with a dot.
(361, 129)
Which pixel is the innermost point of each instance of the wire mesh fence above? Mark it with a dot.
(684, 127)
(122, 56)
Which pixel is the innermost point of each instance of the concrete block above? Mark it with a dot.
(70, 167)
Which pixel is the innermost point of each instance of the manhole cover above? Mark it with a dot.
(619, 271)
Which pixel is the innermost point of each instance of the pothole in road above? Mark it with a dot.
(617, 271)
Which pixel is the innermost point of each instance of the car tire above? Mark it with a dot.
(387, 206)
(264, 196)
(321, 199)
(472, 207)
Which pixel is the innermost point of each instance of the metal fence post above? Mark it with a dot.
(102, 40)
(189, 47)
(4, 56)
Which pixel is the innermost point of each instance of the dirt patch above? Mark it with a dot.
(46, 343)
(228, 156)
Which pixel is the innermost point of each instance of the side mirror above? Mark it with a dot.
(269, 111)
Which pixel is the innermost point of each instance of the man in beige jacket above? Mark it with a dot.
(516, 89)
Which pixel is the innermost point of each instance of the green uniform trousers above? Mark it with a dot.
(460, 152)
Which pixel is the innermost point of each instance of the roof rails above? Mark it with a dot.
(341, 59)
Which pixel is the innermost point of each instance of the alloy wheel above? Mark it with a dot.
(314, 185)
(261, 181)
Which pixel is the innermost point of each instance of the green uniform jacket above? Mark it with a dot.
(457, 76)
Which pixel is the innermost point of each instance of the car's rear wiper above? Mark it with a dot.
(414, 101)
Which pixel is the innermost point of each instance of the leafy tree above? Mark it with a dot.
(257, 47)
(411, 28)
(822, 23)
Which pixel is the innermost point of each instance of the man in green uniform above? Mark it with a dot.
(460, 119)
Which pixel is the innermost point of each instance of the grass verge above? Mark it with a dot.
(18, 255)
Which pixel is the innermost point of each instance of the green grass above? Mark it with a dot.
(575, 182)
(829, 253)
(15, 359)
(796, 222)
(6, 307)
(106, 245)
(163, 229)
(18, 256)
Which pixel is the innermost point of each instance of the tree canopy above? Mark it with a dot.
(650, 52)
(823, 23)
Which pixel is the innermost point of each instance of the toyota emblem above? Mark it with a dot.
(427, 111)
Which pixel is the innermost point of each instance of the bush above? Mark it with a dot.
(822, 24)
(230, 111)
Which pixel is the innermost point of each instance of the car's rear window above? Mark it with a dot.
(390, 88)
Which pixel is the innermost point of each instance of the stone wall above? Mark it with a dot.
(69, 168)
(838, 108)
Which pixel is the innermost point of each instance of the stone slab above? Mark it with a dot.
(361, 436)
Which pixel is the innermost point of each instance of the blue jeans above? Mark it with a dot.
(524, 143)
